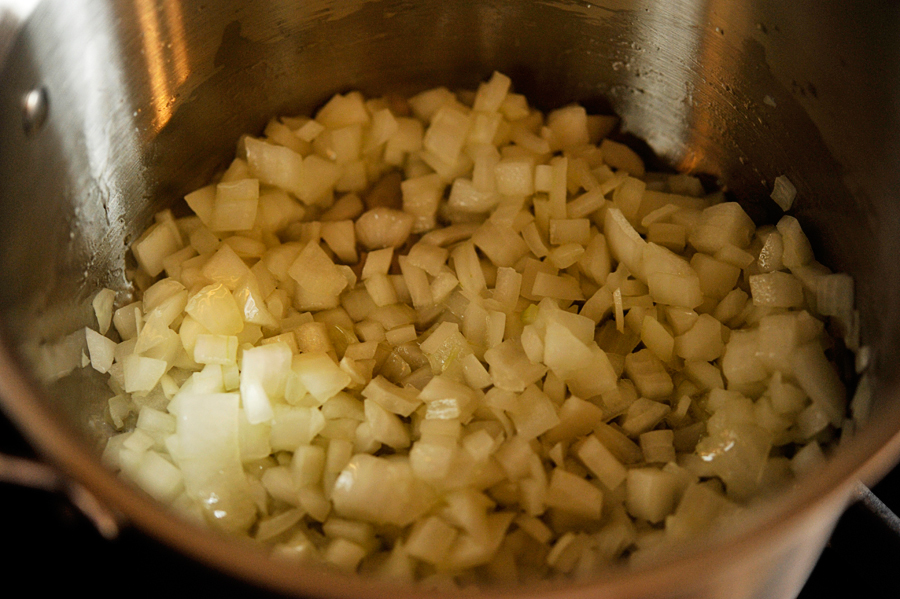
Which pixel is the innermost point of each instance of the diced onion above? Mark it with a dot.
(453, 337)
(784, 192)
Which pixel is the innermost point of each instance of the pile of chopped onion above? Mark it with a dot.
(454, 339)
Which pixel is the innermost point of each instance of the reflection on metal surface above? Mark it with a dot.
(153, 54)
(176, 39)
(664, 67)
(165, 52)
(713, 66)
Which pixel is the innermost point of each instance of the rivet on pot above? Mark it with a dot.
(36, 108)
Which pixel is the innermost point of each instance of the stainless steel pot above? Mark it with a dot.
(111, 110)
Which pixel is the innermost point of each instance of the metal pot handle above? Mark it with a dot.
(32, 474)
(861, 556)
(878, 509)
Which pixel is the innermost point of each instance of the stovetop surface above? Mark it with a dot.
(53, 548)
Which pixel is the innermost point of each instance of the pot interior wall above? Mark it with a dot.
(147, 99)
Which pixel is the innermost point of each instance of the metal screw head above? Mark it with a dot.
(35, 109)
